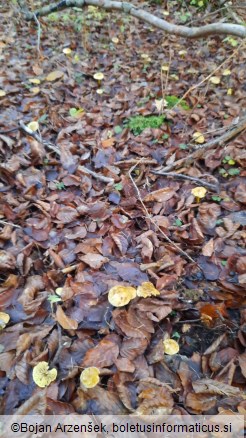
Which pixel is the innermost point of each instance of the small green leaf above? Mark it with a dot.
(234, 171)
(178, 223)
(231, 162)
(118, 129)
(222, 171)
(53, 299)
(223, 262)
(219, 221)
(74, 112)
(165, 136)
(176, 335)
(118, 187)
(216, 198)
(183, 146)
(60, 185)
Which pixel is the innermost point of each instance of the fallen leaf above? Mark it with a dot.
(95, 261)
(54, 75)
(66, 322)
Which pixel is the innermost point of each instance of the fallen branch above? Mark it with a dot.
(232, 132)
(96, 175)
(128, 8)
(213, 187)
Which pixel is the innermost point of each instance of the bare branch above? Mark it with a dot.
(128, 8)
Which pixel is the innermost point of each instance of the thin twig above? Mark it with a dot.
(38, 138)
(228, 135)
(96, 175)
(39, 32)
(134, 161)
(11, 224)
(149, 217)
(210, 186)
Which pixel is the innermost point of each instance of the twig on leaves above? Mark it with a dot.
(38, 137)
(11, 224)
(232, 132)
(213, 187)
(39, 32)
(96, 175)
(150, 218)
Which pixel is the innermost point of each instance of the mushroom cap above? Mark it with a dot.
(42, 376)
(146, 290)
(98, 76)
(34, 126)
(90, 377)
(199, 192)
(170, 346)
(120, 296)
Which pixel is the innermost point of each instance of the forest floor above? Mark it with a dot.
(82, 213)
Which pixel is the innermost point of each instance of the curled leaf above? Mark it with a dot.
(42, 376)
(120, 296)
(90, 377)
(170, 346)
(146, 290)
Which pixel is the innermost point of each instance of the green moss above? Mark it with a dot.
(172, 100)
(138, 124)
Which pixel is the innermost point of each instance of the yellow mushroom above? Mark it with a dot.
(199, 193)
(170, 346)
(90, 377)
(146, 290)
(120, 296)
(99, 77)
(42, 376)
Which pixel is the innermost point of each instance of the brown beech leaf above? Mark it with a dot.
(160, 195)
(242, 363)
(67, 214)
(66, 322)
(214, 387)
(154, 398)
(7, 261)
(95, 261)
(103, 355)
(200, 402)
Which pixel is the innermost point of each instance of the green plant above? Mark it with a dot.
(232, 41)
(173, 100)
(137, 124)
(60, 185)
(216, 198)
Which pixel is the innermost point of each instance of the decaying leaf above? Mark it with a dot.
(42, 376)
(54, 75)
